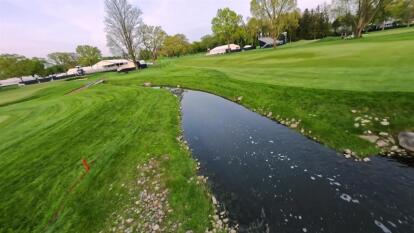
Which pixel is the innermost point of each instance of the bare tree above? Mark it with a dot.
(152, 39)
(122, 24)
(273, 12)
(366, 11)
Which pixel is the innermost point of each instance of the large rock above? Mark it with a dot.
(385, 123)
(370, 138)
(382, 143)
(406, 140)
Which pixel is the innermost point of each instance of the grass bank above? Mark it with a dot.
(45, 134)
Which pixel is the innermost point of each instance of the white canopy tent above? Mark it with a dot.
(223, 49)
(103, 66)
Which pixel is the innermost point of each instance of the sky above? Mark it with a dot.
(35, 28)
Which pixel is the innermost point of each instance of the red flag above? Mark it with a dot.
(86, 165)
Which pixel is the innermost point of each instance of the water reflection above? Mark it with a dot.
(272, 179)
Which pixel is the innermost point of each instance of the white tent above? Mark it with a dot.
(103, 66)
(223, 49)
(9, 82)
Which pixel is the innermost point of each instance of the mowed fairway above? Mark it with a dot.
(382, 61)
(45, 135)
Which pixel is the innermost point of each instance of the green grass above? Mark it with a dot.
(375, 63)
(46, 132)
(43, 140)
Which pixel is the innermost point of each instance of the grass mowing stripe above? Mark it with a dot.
(117, 126)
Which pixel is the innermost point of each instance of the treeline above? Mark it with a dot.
(347, 18)
(14, 65)
(129, 37)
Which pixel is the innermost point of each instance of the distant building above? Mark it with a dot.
(224, 49)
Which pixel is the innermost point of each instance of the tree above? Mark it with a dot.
(8, 62)
(253, 29)
(292, 24)
(66, 60)
(175, 46)
(32, 67)
(305, 25)
(382, 15)
(272, 12)
(206, 42)
(13, 65)
(403, 10)
(88, 55)
(152, 39)
(226, 24)
(343, 11)
(122, 23)
(366, 11)
(320, 22)
(55, 69)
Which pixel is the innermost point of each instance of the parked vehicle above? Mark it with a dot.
(248, 47)
(142, 64)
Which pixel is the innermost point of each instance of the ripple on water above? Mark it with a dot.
(382, 226)
(269, 154)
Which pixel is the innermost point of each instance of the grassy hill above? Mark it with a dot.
(46, 130)
(379, 62)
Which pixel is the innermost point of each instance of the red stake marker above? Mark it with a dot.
(86, 165)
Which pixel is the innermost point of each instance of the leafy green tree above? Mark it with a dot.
(320, 22)
(32, 67)
(253, 29)
(382, 15)
(305, 25)
(344, 14)
(402, 10)
(273, 13)
(55, 69)
(66, 60)
(145, 54)
(206, 42)
(8, 64)
(88, 55)
(175, 46)
(13, 65)
(292, 24)
(226, 25)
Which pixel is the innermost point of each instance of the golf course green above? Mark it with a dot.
(46, 130)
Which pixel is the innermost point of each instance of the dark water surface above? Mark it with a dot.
(273, 179)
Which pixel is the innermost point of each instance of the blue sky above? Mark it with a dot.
(38, 27)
